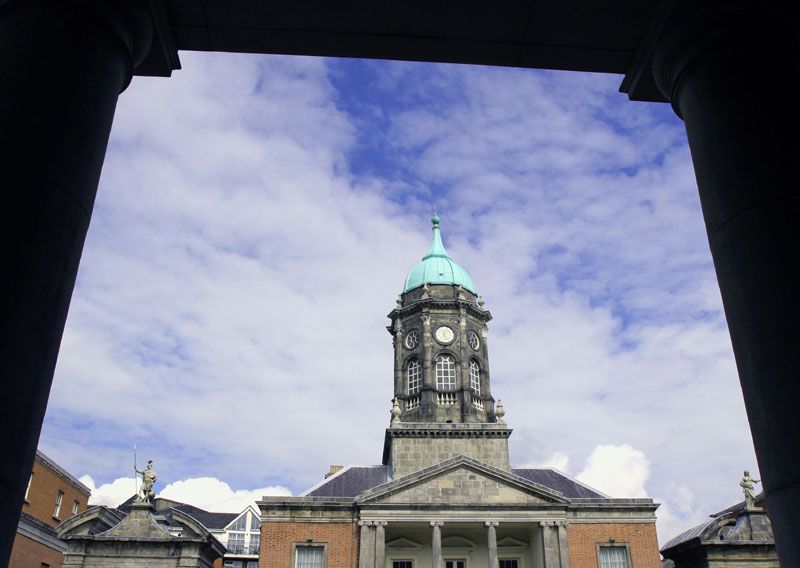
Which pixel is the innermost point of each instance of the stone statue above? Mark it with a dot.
(148, 479)
(749, 493)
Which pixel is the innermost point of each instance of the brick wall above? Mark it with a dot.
(641, 538)
(277, 539)
(27, 553)
(45, 486)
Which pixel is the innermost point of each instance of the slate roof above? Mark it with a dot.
(555, 480)
(355, 479)
(686, 536)
(350, 481)
(212, 521)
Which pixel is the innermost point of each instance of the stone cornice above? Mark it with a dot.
(448, 430)
(418, 305)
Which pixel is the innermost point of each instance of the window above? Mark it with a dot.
(236, 543)
(402, 564)
(475, 376)
(414, 376)
(59, 498)
(509, 563)
(613, 556)
(233, 564)
(455, 564)
(309, 556)
(255, 541)
(75, 506)
(445, 374)
(28, 490)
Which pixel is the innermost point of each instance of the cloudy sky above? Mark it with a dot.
(256, 219)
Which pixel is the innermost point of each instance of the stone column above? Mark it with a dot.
(550, 545)
(366, 548)
(63, 64)
(563, 546)
(726, 74)
(380, 544)
(436, 544)
(491, 542)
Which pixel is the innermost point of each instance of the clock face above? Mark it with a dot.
(444, 334)
(412, 339)
(472, 339)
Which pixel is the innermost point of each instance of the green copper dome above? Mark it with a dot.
(437, 267)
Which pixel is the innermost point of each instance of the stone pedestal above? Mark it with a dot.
(140, 539)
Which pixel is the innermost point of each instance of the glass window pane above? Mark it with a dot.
(613, 557)
(445, 374)
(475, 376)
(240, 524)
(309, 556)
(414, 376)
(255, 540)
(236, 543)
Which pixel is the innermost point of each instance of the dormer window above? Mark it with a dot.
(445, 373)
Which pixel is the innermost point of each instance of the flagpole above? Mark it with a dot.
(135, 478)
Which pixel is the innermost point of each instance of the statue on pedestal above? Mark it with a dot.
(148, 479)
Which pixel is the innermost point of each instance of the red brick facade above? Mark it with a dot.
(640, 538)
(43, 492)
(277, 539)
(40, 502)
(28, 553)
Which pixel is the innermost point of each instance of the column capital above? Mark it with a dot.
(491, 523)
(436, 523)
(365, 523)
(380, 523)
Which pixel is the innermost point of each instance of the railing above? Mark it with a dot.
(446, 398)
(477, 402)
(412, 402)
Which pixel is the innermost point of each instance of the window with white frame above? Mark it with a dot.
(59, 499)
(445, 373)
(309, 556)
(475, 376)
(414, 373)
(402, 564)
(612, 556)
(28, 490)
(233, 564)
(235, 543)
(75, 506)
(509, 563)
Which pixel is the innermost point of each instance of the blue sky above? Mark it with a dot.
(257, 217)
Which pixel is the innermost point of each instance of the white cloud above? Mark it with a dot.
(212, 494)
(617, 471)
(207, 493)
(256, 218)
(110, 494)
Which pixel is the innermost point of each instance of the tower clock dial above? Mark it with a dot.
(444, 334)
(412, 339)
(472, 339)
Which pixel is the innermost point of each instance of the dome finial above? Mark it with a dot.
(435, 218)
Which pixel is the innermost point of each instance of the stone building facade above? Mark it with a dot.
(445, 494)
(53, 495)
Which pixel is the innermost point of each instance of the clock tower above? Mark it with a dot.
(442, 388)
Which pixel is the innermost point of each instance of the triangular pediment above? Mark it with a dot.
(462, 480)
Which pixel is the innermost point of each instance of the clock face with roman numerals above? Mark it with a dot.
(412, 339)
(473, 340)
(444, 334)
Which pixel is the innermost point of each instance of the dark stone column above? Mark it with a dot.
(728, 76)
(62, 67)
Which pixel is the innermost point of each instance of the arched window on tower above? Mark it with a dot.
(414, 373)
(475, 377)
(445, 373)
